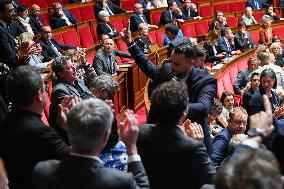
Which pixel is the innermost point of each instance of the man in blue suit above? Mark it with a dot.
(201, 85)
(61, 17)
(138, 17)
(257, 4)
(226, 42)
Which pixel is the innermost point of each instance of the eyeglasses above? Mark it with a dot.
(47, 32)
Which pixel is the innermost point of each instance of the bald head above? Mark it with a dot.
(109, 45)
(35, 10)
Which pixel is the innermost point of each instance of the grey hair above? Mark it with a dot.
(248, 9)
(87, 124)
(104, 82)
(59, 63)
(136, 5)
(264, 19)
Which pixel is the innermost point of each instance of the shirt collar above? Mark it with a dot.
(87, 156)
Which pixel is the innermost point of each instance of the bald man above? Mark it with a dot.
(104, 61)
(36, 21)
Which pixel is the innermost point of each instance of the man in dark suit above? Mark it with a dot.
(50, 47)
(104, 62)
(108, 6)
(36, 21)
(226, 42)
(242, 79)
(242, 38)
(138, 17)
(189, 11)
(236, 125)
(61, 17)
(7, 42)
(201, 85)
(171, 158)
(89, 125)
(25, 139)
(257, 4)
(171, 14)
(65, 85)
(104, 26)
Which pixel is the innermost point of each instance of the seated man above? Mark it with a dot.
(22, 23)
(108, 6)
(138, 17)
(143, 40)
(36, 20)
(23, 132)
(241, 83)
(171, 158)
(242, 38)
(257, 4)
(89, 125)
(61, 17)
(66, 84)
(50, 47)
(189, 11)
(236, 125)
(104, 62)
(226, 42)
(171, 14)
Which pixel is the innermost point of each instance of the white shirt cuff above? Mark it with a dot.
(134, 158)
(251, 143)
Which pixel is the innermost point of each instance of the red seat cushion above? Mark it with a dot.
(94, 30)
(123, 47)
(117, 24)
(233, 71)
(237, 6)
(59, 37)
(70, 37)
(155, 17)
(278, 32)
(76, 13)
(45, 18)
(258, 16)
(224, 7)
(90, 57)
(255, 37)
(128, 5)
(160, 36)
(205, 10)
(86, 39)
(232, 21)
(87, 13)
(188, 30)
(152, 36)
(41, 3)
(201, 28)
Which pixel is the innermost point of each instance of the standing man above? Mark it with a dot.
(201, 85)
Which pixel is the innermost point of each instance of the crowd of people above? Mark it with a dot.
(190, 140)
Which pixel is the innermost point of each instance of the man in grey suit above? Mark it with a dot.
(66, 84)
(89, 125)
(104, 61)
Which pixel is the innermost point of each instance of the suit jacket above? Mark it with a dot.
(36, 24)
(61, 89)
(135, 20)
(47, 51)
(193, 13)
(7, 47)
(17, 28)
(114, 8)
(211, 55)
(24, 141)
(241, 81)
(246, 100)
(102, 28)
(172, 159)
(81, 172)
(101, 62)
(167, 18)
(242, 43)
(201, 88)
(220, 146)
(222, 46)
(57, 22)
(262, 4)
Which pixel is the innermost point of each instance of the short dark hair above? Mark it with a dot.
(253, 169)
(274, 38)
(185, 49)
(172, 28)
(59, 63)
(170, 2)
(242, 24)
(199, 51)
(224, 31)
(224, 95)
(253, 74)
(268, 72)
(3, 4)
(168, 101)
(23, 84)
(217, 105)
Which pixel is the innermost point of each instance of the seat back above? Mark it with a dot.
(87, 12)
(117, 23)
(160, 36)
(76, 13)
(223, 6)
(85, 35)
(155, 15)
(238, 6)
(70, 37)
(205, 10)
(201, 27)
(188, 30)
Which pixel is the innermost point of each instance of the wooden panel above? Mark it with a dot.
(121, 97)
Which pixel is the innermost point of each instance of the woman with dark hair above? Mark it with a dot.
(228, 101)
(218, 22)
(268, 82)
(211, 47)
(270, 12)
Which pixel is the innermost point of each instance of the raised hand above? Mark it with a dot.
(126, 34)
(193, 130)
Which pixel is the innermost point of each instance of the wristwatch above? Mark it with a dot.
(255, 132)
